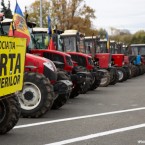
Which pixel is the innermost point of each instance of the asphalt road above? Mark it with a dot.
(107, 116)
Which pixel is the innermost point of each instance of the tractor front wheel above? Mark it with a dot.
(105, 80)
(95, 84)
(122, 74)
(37, 95)
(60, 101)
(9, 113)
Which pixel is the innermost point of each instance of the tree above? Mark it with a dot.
(102, 33)
(6, 10)
(34, 12)
(66, 14)
(126, 38)
(138, 37)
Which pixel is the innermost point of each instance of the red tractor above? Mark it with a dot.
(102, 59)
(43, 89)
(59, 45)
(63, 61)
(132, 60)
(73, 44)
(118, 59)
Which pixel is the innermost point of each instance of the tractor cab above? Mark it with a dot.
(73, 44)
(72, 41)
(102, 57)
(138, 50)
(90, 45)
(137, 57)
(117, 55)
(41, 41)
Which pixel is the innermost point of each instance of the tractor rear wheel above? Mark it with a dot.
(9, 113)
(105, 80)
(37, 95)
(122, 74)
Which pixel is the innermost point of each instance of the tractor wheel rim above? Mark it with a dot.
(33, 100)
(2, 111)
(120, 73)
(103, 80)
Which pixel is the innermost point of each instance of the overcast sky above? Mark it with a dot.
(121, 14)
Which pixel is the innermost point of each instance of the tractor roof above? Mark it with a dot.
(6, 21)
(137, 45)
(38, 29)
(31, 24)
(69, 32)
(103, 40)
(112, 41)
(90, 37)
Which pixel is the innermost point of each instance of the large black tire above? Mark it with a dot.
(137, 71)
(61, 98)
(60, 101)
(37, 95)
(115, 77)
(122, 74)
(128, 71)
(9, 113)
(75, 92)
(133, 70)
(95, 84)
(143, 66)
(140, 70)
(105, 80)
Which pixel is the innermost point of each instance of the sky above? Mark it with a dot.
(120, 14)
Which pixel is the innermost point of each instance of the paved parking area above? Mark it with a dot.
(107, 116)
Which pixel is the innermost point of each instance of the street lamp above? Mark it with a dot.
(41, 24)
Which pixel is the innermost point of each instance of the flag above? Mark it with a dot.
(108, 41)
(51, 45)
(49, 26)
(18, 27)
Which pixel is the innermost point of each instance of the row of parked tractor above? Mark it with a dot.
(65, 64)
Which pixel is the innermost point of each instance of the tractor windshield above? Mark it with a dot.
(41, 39)
(88, 46)
(135, 50)
(113, 48)
(142, 50)
(103, 47)
(81, 47)
(69, 43)
(4, 29)
(59, 43)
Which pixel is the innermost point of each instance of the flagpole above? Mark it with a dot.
(41, 24)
